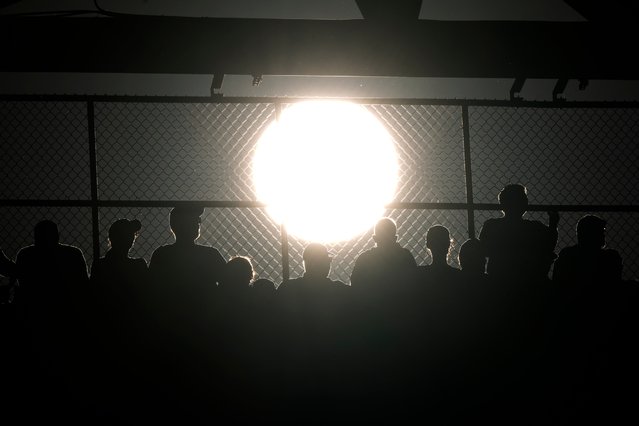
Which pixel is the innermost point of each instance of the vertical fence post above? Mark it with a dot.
(283, 232)
(285, 265)
(469, 175)
(94, 180)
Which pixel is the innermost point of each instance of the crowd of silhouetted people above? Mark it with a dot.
(522, 332)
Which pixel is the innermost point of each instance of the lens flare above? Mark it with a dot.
(325, 170)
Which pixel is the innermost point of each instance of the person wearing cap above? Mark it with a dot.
(117, 283)
(116, 267)
(518, 249)
(589, 261)
(189, 271)
(386, 264)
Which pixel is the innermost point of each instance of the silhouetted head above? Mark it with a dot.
(472, 258)
(45, 234)
(185, 222)
(591, 231)
(513, 200)
(385, 232)
(438, 240)
(123, 232)
(239, 271)
(317, 260)
(263, 286)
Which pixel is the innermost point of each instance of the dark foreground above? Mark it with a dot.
(500, 353)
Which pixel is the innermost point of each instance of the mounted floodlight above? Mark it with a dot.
(325, 170)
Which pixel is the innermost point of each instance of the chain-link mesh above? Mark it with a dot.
(152, 151)
(197, 151)
(429, 144)
(44, 151)
(563, 156)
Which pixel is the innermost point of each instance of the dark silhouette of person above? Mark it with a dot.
(240, 285)
(472, 261)
(117, 284)
(263, 286)
(387, 265)
(188, 270)
(314, 297)
(438, 242)
(589, 261)
(597, 312)
(518, 248)
(311, 309)
(116, 268)
(182, 305)
(53, 288)
(50, 273)
(315, 281)
(248, 313)
(237, 277)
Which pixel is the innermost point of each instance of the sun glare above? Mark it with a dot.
(325, 170)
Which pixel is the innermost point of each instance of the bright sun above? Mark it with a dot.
(325, 170)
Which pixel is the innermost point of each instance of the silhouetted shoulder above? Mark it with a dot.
(25, 252)
(395, 253)
(287, 284)
(211, 252)
(305, 284)
(437, 271)
(580, 266)
(71, 251)
(489, 227)
(568, 253)
(159, 254)
(7, 267)
(407, 255)
(78, 264)
(139, 262)
(109, 268)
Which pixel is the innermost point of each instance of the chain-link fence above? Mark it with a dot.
(151, 153)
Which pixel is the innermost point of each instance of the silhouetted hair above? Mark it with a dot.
(185, 221)
(45, 233)
(184, 214)
(513, 195)
(123, 231)
(317, 259)
(239, 269)
(438, 238)
(314, 252)
(471, 255)
(263, 285)
(591, 230)
(385, 230)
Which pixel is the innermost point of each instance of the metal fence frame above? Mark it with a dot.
(95, 203)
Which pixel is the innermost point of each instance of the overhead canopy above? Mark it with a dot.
(418, 48)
